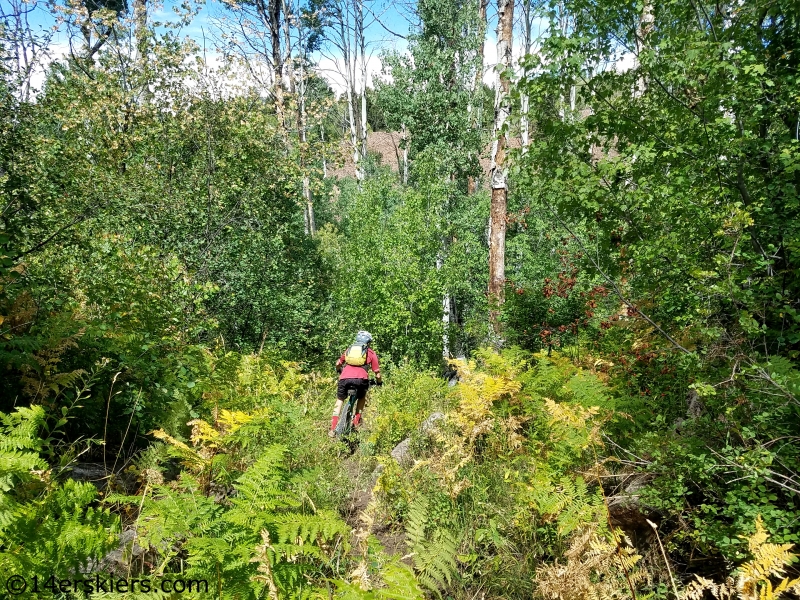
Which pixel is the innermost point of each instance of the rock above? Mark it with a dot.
(118, 561)
(402, 452)
(451, 375)
(430, 423)
(92, 472)
(101, 477)
(626, 510)
(694, 406)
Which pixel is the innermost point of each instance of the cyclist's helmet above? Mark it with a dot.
(363, 337)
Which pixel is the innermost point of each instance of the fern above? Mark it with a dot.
(753, 578)
(433, 548)
(696, 590)
(258, 543)
(296, 530)
(20, 428)
(400, 583)
(396, 582)
(41, 378)
(154, 594)
(568, 502)
(479, 391)
(597, 567)
(45, 527)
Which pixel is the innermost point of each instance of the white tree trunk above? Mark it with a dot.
(311, 228)
(477, 118)
(351, 117)
(303, 128)
(287, 42)
(353, 134)
(324, 162)
(344, 42)
(564, 26)
(643, 30)
(445, 313)
(363, 58)
(524, 100)
(499, 202)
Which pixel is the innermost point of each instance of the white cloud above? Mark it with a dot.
(332, 67)
(55, 51)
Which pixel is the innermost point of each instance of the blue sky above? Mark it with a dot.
(395, 15)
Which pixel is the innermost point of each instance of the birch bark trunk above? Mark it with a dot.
(643, 30)
(349, 77)
(445, 315)
(363, 56)
(482, 5)
(140, 23)
(405, 155)
(499, 202)
(287, 42)
(324, 161)
(524, 100)
(302, 118)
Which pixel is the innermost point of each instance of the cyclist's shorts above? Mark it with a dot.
(361, 385)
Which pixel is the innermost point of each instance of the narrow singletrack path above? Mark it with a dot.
(359, 511)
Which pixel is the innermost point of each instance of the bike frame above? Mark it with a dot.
(346, 415)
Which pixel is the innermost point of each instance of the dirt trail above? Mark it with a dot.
(393, 542)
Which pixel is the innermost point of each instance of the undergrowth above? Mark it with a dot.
(506, 495)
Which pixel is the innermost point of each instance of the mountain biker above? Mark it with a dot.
(357, 376)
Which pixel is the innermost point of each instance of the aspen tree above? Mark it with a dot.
(497, 215)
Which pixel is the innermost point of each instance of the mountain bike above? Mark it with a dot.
(344, 429)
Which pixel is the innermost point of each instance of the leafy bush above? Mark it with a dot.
(400, 406)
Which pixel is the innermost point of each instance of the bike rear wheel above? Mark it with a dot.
(346, 417)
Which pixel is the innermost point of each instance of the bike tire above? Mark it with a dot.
(343, 427)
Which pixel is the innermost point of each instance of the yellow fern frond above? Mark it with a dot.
(230, 421)
(753, 581)
(193, 459)
(575, 416)
(758, 538)
(203, 434)
(596, 568)
(478, 392)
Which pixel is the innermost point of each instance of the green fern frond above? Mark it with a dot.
(434, 549)
(20, 429)
(324, 526)
(400, 583)
(395, 582)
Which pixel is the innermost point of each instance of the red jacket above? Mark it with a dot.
(353, 372)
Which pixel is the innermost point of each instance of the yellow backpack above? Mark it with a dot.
(356, 355)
